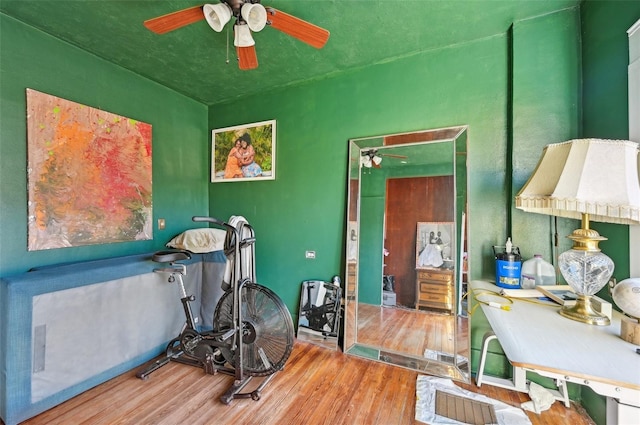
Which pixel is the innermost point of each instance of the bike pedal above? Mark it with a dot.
(209, 365)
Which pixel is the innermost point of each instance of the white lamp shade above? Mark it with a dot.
(242, 36)
(217, 15)
(592, 176)
(376, 160)
(365, 160)
(255, 15)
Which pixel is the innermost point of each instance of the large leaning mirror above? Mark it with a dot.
(406, 239)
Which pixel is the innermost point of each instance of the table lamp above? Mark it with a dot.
(586, 179)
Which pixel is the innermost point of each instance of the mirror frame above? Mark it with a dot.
(456, 366)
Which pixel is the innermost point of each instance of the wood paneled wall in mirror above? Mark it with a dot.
(405, 246)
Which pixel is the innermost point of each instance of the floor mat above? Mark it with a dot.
(428, 387)
(464, 409)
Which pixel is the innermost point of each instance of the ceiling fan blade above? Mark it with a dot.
(247, 58)
(297, 28)
(173, 21)
(390, 155)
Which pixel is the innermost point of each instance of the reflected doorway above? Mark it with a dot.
(409, 201)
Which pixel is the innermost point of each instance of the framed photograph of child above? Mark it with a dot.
(244, 152)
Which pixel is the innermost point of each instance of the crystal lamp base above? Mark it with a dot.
(586, 272)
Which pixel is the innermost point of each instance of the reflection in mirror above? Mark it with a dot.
(406, 242)
(319, 316)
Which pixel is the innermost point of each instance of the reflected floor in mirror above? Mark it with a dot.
(318, 338)
(410, 332)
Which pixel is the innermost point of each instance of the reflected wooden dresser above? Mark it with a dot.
(434, 289)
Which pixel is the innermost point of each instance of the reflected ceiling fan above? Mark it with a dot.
(371, 158)
(250, 16)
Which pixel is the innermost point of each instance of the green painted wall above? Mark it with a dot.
(372, 209)
(546, 73)
(477, 83)
(305, 208)
(517, 91)
(605, 113)
(605, 56)
(543, 107)
(32, 59)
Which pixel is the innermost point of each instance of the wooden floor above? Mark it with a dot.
(317, 386)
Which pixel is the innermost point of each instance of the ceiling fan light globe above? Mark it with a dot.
(376, 160)
(243, 36)
(255, 15)
(366, 161)
(217, 15)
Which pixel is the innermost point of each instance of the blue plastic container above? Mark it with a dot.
(508, 267)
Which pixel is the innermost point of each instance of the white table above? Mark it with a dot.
(536, 338)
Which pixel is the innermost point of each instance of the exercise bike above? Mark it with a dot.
(252, 331)
(321, 308)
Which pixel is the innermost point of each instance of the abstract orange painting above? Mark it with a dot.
(89, 175)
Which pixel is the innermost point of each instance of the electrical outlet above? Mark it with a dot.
(310, 254)
(161, 224)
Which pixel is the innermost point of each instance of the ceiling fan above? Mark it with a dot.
(371, 158)
(250, 16)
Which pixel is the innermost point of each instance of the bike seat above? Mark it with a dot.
(170, 256)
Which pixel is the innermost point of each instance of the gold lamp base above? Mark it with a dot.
(582, 311)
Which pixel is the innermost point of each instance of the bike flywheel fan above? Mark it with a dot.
(267, 329)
